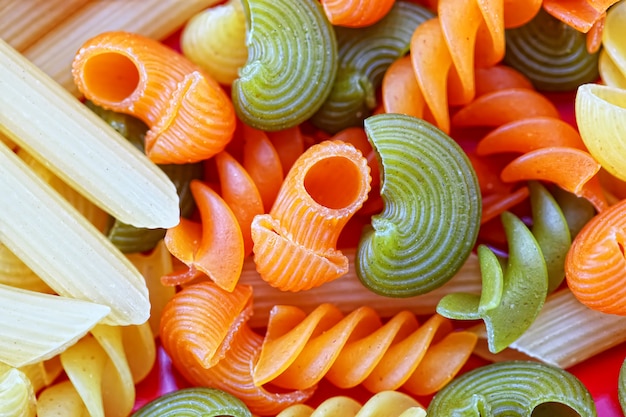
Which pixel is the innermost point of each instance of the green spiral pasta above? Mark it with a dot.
(364, 54)
(292, 62)
(432, 208)
(514, 389)
(199, 401)
(551, 54)
(515, 290)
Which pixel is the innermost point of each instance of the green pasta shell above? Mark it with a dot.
(199, 401)
(514, 389)
(512, 296)
(291, 66)
(552, 54)
(577, 210)
(432, 208)
(364, 54)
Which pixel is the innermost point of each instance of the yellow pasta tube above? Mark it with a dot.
(64, 249)
(38, 326)
(15, 273)
(61, 399)
(215, 40)
(140, 350)
(42, 374)
(79, 147)
(17, 397)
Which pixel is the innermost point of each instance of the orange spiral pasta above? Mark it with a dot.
(295, 243)
(356, 13)
(204, 331)
(595, 267)
(525, 123)
(190, 117)
(445, 51)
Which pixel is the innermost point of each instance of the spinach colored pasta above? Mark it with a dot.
(514, 389)
(551, 54)
(292, 62)
(432, 208)
(513, 294)
(198, 401)
(364, 54)
(621, 387)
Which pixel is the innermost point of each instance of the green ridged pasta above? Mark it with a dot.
(515, 290)
(551, 54)
(364, 54)
(621, 387)
(514, 389)
(577, 210)
(432, 208)
(199, 401)
(291, 66)
(128, 238)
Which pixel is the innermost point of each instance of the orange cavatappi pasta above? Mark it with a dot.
(189, 115)
(213, 247)
(356, 13)
(295, 243)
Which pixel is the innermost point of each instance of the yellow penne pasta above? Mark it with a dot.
(79, 147)
(17, 397)
(15, 273)
(25, 22)
(155, 19)
(63, 248)
(140, 349)
(38, 326)
(61, 399)
(347, 293)
(565, 333)
(43, 374)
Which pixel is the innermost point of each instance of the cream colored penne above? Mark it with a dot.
(564, 334)
(37, 326)
(17, 396)
(79, 147)
(25, 22)
(152, 18)
(347, 293)
(63, 248)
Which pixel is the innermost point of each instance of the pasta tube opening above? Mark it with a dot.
(334, 182)
(112, 76)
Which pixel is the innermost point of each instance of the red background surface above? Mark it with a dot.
(599, 374)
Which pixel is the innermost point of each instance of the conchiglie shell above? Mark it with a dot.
(17, 398)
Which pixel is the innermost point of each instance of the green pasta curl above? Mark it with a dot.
(364, 54)
(551, 54)
(432, 208)
(198, 401)
(291, 66)
(514, 389)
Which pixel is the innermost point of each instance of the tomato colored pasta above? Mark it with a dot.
(356, 13)
(161, 87)
(295, 243)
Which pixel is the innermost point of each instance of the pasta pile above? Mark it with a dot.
(372, 195)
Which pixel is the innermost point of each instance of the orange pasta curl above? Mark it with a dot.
(595, 267)
(295, 243)
(214, 247)
(190, 117)
(289, 145)
(524, 122)
(204, 331)
(356, 13)
(299, 350)
(465, 35)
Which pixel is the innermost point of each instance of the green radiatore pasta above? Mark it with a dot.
(514, 389)
(199, 401)
(551, 54)
(363, 56)
(291, 66)
(432, 208)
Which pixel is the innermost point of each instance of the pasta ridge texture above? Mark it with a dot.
(190, 117)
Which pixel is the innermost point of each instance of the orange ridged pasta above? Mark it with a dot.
(295, 243)
(525, 122)
(289, 145)
(358, 349)
(465, 35)
(241, 194)
(595, 267)
(356, 13)
(214, 247)
(262, 162)
(204, 331)
(189, 115)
